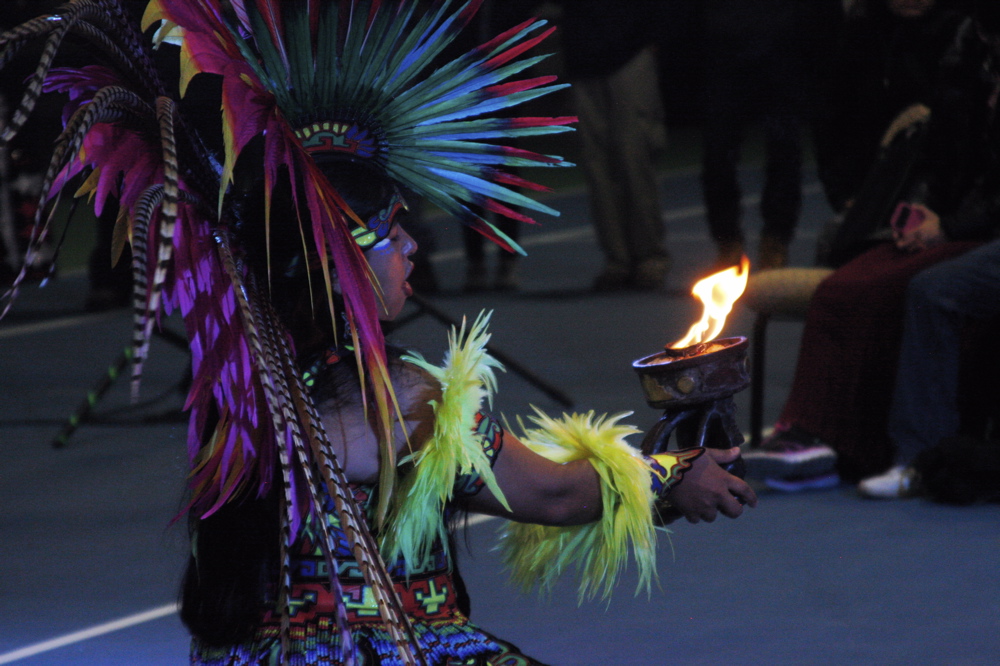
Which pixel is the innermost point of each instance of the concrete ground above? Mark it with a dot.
(90, 559)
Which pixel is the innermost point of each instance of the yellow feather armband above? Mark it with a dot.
(598, 551)
(454, 449)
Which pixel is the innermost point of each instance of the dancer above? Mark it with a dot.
(324, 466)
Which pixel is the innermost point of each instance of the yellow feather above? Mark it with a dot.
(538, 555)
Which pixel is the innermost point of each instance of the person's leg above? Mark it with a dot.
(781, 200)
(636, 92)
(721, 139)
(783, 101)
(593, 106)
(842, 388)
(939, 301)
(506, 276)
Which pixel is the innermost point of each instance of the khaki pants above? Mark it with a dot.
(621, 127)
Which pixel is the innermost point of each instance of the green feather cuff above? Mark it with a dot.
(467, 378)
(600, 550)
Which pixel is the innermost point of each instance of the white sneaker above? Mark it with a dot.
(896, 483)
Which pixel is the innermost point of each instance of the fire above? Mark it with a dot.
(717, 294)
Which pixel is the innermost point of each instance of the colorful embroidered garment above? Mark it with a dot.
(429, 596)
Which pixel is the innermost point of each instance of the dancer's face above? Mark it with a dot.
(910, 8)
(390, 262)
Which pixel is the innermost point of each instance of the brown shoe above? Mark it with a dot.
(612, 278)
(772, 253)
(651, 273)
(507, 278)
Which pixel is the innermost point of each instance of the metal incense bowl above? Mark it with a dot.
(708, 371)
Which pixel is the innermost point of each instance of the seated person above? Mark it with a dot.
(834, 422)
(940, 302)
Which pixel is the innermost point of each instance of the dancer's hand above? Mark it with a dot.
(706, 489)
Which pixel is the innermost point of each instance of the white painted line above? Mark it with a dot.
(85, 634)
(132, 620)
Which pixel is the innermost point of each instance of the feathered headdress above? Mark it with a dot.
(305, 78)
(350, 78)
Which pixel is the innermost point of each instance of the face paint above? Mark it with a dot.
(389, 260)
(379, 225)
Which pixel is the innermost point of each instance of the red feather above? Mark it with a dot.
(511, 87)
(504, 178)
(506, 211)
(503, 37)
(514, 52)
(542, 122)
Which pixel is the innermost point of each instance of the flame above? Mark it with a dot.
(717, 294)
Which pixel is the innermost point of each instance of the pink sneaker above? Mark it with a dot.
(790, 453)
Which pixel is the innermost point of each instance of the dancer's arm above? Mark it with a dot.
(541, 491)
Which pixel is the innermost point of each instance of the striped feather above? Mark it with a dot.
(294, 394)
(34, 87)
(147, 206)
(285, 566)
(352, 521)
(165, 111)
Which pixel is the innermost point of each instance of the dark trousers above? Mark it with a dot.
(940, 301)
(842, 390)
(765, 92)
(621, 127)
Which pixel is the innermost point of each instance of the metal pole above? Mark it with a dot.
(93, 397)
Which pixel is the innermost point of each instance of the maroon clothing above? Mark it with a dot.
(847, 363)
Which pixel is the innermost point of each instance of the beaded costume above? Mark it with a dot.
(303, 83)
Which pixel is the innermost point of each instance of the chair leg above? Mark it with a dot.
(757, 379)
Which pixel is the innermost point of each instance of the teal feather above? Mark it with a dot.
(499, 133)
(326, 54)
(470, 79)
(300, 56)
(474, 184)
(417, 51)
(431, 115)
(271, 59)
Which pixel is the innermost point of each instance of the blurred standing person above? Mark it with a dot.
(610, 59)
(761, 59)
